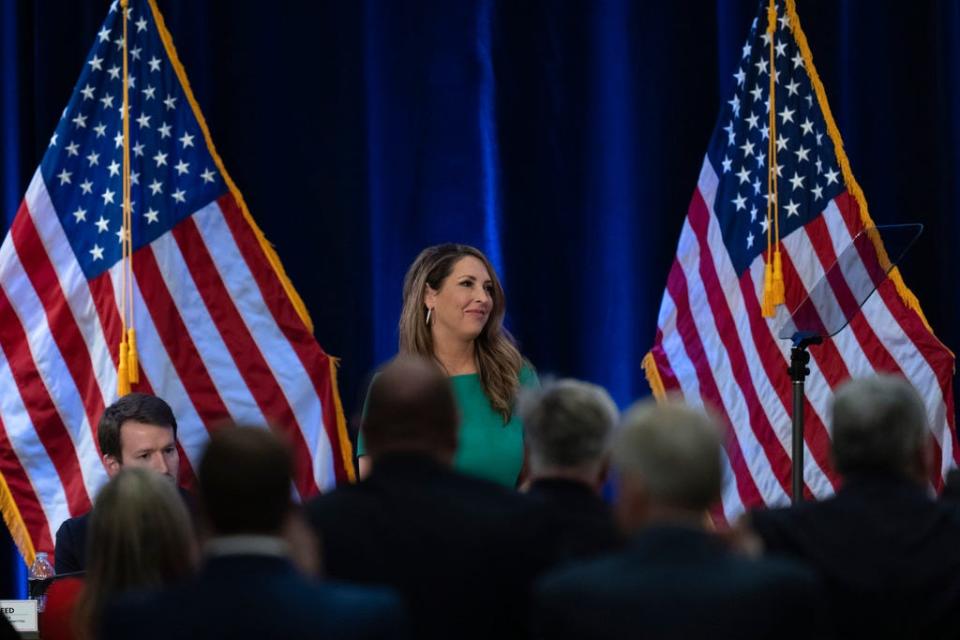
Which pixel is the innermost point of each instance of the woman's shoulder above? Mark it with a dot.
(528, 375)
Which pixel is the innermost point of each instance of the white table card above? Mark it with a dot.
(22, 614)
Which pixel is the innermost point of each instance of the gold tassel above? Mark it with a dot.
(134, 361)
(778, 293)
(123, 372)
(772, 287)
(767, 304)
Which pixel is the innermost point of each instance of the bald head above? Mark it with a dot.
(411, 407)
(244, 479)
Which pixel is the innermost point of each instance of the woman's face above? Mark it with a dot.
(463, 303)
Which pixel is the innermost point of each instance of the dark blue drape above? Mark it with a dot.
(562, 138)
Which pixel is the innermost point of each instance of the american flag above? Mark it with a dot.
(221, 333)
(714, 347)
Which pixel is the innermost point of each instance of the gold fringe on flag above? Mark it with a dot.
(15, 524)
(653, 377)
(268, 251)
(853, 187)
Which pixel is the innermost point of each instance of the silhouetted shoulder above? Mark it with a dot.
(71, 545)
(255, 597)
(678, 584)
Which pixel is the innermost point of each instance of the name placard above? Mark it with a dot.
(22, 614)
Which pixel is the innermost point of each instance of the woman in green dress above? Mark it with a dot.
(453, 308)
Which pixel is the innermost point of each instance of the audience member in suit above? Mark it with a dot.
(248, 586)
(888, 553)
(568, 425)
(140, 536)
(138, 430)
(673, 579)
(462, 551)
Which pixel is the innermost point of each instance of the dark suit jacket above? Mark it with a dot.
(674, 582)
(887, 553)
(257, 597)
(462, 552)
(580, 521)
(70, 552)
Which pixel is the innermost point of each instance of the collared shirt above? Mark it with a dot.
(257, 545)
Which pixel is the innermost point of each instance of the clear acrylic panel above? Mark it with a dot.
(858, 271)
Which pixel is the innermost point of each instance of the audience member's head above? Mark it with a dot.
(139, 430)
(880, 426)
(245, 482)
(140, 536)
(410, 408)
(567, 425)
(667, 459)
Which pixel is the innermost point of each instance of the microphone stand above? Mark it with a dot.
(799, 359)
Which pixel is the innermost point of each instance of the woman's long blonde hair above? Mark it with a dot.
(140, 536)
(498, 360)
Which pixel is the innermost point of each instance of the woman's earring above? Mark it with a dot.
(429, 311)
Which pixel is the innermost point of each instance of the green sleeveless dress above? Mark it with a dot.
(488, 448)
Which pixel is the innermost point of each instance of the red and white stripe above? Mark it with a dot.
(714, 348)
(217, 335)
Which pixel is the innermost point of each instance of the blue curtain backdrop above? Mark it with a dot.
(563, 138)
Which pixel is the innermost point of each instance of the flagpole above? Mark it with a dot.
(128, 365)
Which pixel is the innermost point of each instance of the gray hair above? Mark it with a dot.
(673, 450)
(879, 425)
(567, 423)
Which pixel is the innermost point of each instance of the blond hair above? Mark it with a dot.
(140, 536)
(497, 358)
